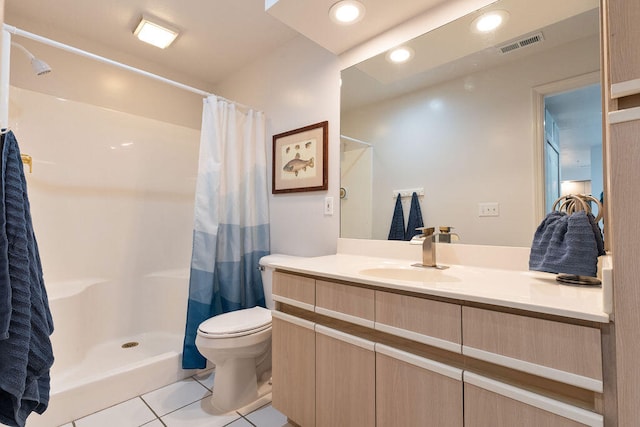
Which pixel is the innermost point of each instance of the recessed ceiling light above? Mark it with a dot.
(489, 21)
(346, 12)
(150, 31)
(400, 54)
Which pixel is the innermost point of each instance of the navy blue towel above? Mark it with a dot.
(567, 244)
(396, 231)
(25, 320)
(415, 218)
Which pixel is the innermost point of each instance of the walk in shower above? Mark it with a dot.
(112, 198)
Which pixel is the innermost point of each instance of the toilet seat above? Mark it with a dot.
(236, 323)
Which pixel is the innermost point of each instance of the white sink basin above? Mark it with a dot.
(411, 274)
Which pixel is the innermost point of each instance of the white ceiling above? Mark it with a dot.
(311, 18)
(218, 37)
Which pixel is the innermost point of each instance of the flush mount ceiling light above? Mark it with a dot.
(346, 12)
(155, 32)
(489, 21)
(400, 54)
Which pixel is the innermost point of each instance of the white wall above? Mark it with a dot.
(465, 146)
(297, 85)
(111, 193)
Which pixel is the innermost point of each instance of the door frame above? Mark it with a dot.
(539, 92)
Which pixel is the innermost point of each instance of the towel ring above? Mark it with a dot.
(572, 203)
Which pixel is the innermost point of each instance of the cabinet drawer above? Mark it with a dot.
(490, 403)
(294, 290)
(344, 302)
(559, 351)
(430, 322)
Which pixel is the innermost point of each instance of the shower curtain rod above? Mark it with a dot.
(17, 31)
(348, 138)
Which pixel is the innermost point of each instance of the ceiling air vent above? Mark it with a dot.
(523, 42)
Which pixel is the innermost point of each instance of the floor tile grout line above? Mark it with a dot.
(103, 409)
(184, 406)
(151, 409)
(201, 383)
(248, 420)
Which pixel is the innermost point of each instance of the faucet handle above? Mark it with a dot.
(426, 231)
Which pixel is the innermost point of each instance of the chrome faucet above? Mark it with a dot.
(429, 238)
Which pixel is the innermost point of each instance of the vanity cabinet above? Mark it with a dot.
(349, 303)
(345, 380)
(293, 345)
(426, 321)
(295, 290)
(624, 16)
(489, 403)
(362, 356)
(564, 352)
(415, 391)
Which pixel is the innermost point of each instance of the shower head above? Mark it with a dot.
(40, 67)
(37, 65)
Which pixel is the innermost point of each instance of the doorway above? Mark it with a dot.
(573, 143)
(569, 140)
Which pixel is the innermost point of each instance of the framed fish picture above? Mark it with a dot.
(300, 159)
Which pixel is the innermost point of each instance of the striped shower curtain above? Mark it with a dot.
(231, 225)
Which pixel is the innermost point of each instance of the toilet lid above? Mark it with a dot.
(236, 323)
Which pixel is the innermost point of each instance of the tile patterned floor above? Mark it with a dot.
(182, 404)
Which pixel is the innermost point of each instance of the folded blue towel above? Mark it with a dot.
(415, 218)
(25, 348)
(396, 232)
(567, 244)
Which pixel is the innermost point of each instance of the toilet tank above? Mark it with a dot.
(266, 270)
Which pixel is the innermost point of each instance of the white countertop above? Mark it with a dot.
(527, 290)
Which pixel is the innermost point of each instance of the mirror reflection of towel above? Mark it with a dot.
(396, 232)
(567, 244)
(415, 218)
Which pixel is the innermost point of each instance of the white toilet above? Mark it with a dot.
(239, 344)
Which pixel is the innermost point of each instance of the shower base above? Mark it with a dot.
(110, 374)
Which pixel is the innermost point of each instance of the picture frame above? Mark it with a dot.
(300, 159)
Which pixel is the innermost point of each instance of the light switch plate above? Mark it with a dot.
(328, 205)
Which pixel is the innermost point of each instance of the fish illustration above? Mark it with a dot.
(296, 164)
(307, 145)
(287, 150)
(297, 146)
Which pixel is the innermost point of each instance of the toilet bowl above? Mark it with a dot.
(239, 344)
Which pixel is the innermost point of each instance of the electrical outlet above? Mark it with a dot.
(489, 209)
(328, 205)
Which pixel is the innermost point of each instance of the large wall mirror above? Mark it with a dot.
(508, 118)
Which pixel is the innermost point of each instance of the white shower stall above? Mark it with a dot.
(112, 197)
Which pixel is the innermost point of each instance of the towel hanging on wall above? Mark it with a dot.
(415, 218)
(26, 354)
(396, 232)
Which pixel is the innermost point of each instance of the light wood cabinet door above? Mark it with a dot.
(624, 16)
(345, 380)
(489, 403)
(430, 322)
(345, 302)
(295, 290)
(414, 391)
(293, 368)
(559, 351)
